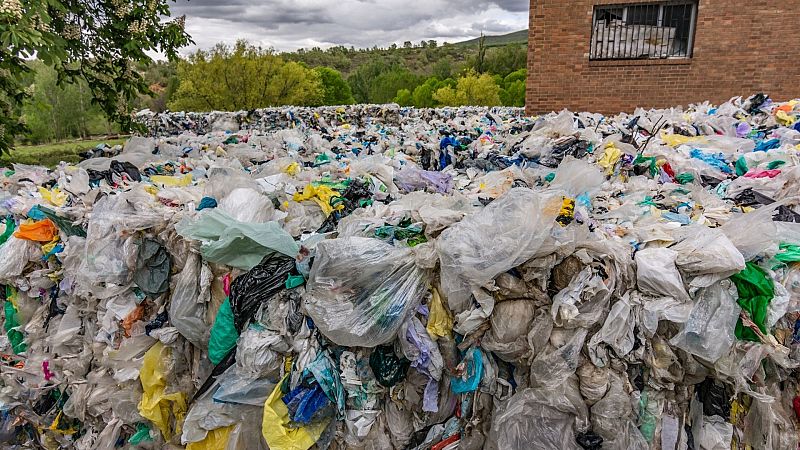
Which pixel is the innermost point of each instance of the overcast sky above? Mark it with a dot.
(292, 24)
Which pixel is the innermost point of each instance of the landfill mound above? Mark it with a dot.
(377, 277)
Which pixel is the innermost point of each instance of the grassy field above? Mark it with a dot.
(51, 154)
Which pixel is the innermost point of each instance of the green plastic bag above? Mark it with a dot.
(63, 224)
(237, 244)
(684, 178)
(741, 166)
(756, 290)
(142, 434)
(12, 322)
(294, 281)
(10, 226)
(775, 164)
(223, 333)
(789, 253)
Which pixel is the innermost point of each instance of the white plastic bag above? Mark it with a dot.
(706, 250)
(657, 275)
(247, 205)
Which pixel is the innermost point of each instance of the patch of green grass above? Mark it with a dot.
(50, 155)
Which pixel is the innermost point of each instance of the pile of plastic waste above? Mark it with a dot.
(377, 277)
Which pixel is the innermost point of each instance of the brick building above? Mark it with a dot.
(612, 56)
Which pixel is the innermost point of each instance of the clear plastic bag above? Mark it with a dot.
(412, 178)
(551, 369)
(541, 419)
(769, 425)
(361, 290)
(754, 233)
(503, 235)
(110, 254)
(708, 333)
(510, 322)
(616, 333)
(187, 308)
(576, 177)
(612, 418)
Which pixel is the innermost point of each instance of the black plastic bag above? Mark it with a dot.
(714, 397)
(126, 168)
(589, 441)
(387, 367)
(257, 286)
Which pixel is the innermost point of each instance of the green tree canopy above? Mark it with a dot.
(513, 92)
(98, 41)
(471, 89)
(336, 90)
(243, 77)
(60, 112)
(403, 98)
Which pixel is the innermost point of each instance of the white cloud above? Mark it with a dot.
(288, 25)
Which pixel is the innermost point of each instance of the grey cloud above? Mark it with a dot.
(291, 24)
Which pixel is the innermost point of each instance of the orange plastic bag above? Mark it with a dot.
(41, 231)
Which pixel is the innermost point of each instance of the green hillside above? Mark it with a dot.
(517, 37)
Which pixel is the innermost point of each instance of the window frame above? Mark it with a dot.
(596, 56)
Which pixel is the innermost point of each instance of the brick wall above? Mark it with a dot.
(741, 47)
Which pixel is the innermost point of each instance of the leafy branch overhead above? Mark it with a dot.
(99, 41)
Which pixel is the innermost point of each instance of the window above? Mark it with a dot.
(645, 31)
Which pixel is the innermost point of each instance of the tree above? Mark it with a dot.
(422, 97)
(505, 59)
(513, 92)
(336, 91)
(407, 44)
(443, 68)
(403, 98)
(481, 54)
(362, 78)
(432, 44)
(384, 87)
(241, 78)
(471, 90)
(59, 112)
(98, 41)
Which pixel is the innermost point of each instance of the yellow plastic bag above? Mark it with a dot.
(440, 321)
(321, 195)
(55, 426)
(183, 181)
(47, 248)
(275, 431)
(609, 159)
(292, 169)
(54, 197)
(784, 119)
(41, 231)
(674, 140)
(215, 440)
(155, 405)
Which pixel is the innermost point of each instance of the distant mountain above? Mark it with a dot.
(517, 37)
